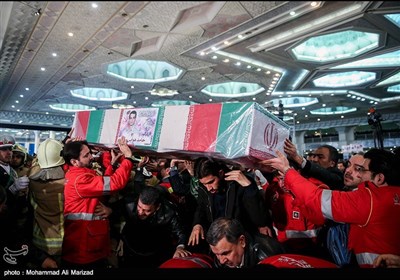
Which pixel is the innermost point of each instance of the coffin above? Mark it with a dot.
(242, 132)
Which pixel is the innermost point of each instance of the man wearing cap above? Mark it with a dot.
(8, 176)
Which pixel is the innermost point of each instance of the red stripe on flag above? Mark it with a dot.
(202, 128)
(82, 124)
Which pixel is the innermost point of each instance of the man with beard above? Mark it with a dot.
(86, 242)
(225, 193)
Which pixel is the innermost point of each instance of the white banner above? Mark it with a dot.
(352, 148)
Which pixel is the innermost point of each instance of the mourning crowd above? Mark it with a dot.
(77, 205)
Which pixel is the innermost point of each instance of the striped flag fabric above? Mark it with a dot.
(240, 130)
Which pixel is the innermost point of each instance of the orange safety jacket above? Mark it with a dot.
(290, 225)
(86, 236)
(372, 212)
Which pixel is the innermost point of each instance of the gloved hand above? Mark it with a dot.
(20, 183)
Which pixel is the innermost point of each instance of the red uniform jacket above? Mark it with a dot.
(86, 236)
(372, 212)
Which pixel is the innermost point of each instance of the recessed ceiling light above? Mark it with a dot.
(94, 5)
(27, 88)
(54, 54)
(70, 34)
(21, 95)
(42, 68)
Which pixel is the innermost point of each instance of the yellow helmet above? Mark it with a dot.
(49, 153)
(17, 148)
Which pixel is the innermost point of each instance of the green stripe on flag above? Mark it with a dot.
(95, 125)
(234, 129)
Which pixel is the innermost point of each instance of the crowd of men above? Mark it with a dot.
(75, 205)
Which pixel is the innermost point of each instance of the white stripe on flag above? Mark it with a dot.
(173, 128)
(108, 133)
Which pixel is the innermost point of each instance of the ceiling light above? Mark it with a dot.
(383, 60)
(233, 89)
(337, 45)
(94, 5)
(251, 61)
(71, 107)
(42, 69)
(351, 78)
(395, 88)
(172, 103)
(27, 88)
(146, 71)
(99, 94)
(54, 54)
(163, 92)
(269, 23)
(392, 79)
(70, 34)
(333, 110)
(283, 37)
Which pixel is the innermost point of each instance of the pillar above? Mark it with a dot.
(299, 141)
(52, 134)
(37, 140)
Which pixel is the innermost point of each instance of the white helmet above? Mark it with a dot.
(49, 153)
(6, 141)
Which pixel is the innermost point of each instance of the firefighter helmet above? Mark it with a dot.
(49, 153)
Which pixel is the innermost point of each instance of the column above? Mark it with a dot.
(52, 134)
(37, 140)
(346, 135)
(299, 141)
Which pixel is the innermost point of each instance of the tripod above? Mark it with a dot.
(378, 135)
(374, 119)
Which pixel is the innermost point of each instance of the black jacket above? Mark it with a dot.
(158, 234)
(244, 204)
(331, 176)
(258, 247)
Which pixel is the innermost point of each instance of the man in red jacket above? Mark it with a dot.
(372, 210)
(86, 241)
